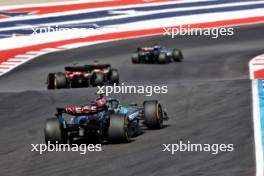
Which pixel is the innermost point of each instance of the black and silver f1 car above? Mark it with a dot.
(105, 120)
(83, 76)
(156, 54)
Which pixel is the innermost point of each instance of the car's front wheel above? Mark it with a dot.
(177, 55)
(153, 114)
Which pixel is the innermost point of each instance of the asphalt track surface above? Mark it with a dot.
(209, 101)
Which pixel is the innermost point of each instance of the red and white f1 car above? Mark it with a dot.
(83, 76)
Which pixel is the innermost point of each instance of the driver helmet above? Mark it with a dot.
(113, 103)
(101, 101)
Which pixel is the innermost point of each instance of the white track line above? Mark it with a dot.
(18, 60)
(23, 56)
(35, 52)
(4, 70)
(50, 4)
(7, 64)
(50, 49)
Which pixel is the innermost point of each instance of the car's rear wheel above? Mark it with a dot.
(50, 81)
(54, 131)
(162, 58)
(153, 114)
(118, 128)
(97, 79)
(60, 81)
(113, 76)
(135, 58)
(177, 55)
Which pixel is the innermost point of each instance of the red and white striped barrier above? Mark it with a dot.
(256, 67)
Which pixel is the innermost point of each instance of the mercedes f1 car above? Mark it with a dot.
(83, 76)
(104, 119)
(156, 54)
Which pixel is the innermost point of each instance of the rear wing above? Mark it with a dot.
(149, 48)
(145, 49)
(99, 66)
(86, 68)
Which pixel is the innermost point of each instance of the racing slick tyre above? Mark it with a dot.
(59, 80)
(118, 128)
(153, 114)
(135, 58)
(177, 55)
(50, 81)
(162, 58)
(54, 132)
(97, 79)
(114, 76)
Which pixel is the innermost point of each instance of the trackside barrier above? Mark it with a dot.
(256, 67)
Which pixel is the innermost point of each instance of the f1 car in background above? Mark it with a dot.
(83, 76)
(156, 54)
(105, 120)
